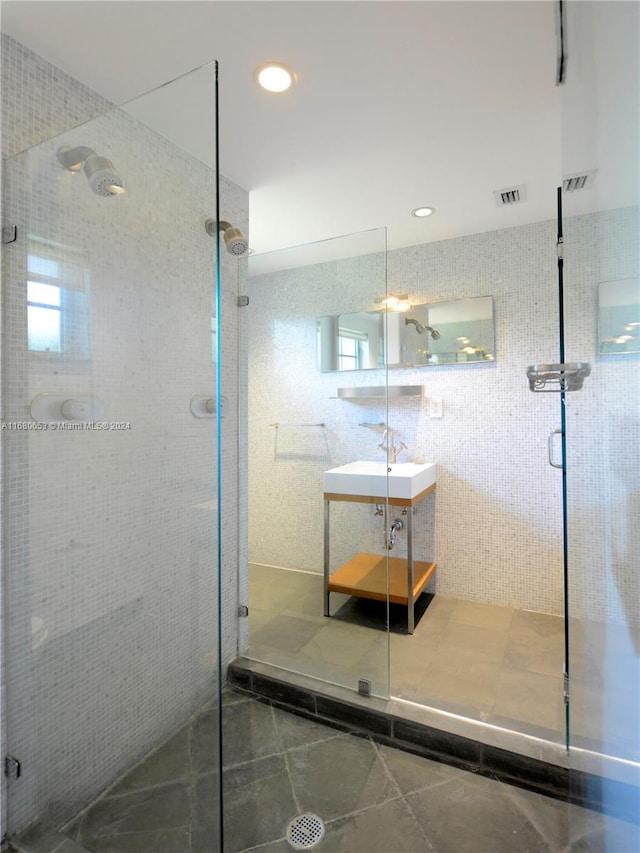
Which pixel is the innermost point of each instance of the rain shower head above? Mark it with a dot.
(234, 239)
(101, 174)
(420, 329)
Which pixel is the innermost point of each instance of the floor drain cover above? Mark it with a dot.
(305, 831)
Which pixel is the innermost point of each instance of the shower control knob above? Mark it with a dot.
(76, 409)
(48, 408)
(206, 406)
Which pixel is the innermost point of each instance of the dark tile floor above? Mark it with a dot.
(499, 665)
(373, 799)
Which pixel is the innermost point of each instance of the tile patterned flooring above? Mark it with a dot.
(372, 798)
(495, 664)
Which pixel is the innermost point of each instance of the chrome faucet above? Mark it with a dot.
(390, 449)
(398, 524)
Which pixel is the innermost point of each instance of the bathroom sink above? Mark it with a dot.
(369, 479)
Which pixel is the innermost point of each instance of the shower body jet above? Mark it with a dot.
(234, 239)
(101, 174)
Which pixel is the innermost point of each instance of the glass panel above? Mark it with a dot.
(298, 430)
(112, 507)
(488, 644)
(601, 225)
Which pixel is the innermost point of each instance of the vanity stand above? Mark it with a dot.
(365, 575)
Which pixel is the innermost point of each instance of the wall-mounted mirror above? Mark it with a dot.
(455, 332)
(619, 316)
(351, 341)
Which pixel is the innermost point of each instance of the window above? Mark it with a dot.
(57, 303)
(353, 349)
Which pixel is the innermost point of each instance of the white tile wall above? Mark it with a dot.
(38, 99)
(112, 536)
(603, 428)
(494, 525)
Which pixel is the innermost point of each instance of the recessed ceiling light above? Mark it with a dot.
(423, 211)
(275, 77)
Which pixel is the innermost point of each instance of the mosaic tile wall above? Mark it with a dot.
(494, 525)
(112, 536)
(36, 104)
(603, 427)
(38, 99)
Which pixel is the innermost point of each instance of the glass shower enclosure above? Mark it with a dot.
(601, 266)
(314, 339)
(111, 449)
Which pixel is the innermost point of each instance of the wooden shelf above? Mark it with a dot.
(365, 576)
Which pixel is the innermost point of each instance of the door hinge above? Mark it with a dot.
(560, 248)
(9, 233)
(364, 687)
(243, 611)
(12, 767)
(565, 683)
(243, 301)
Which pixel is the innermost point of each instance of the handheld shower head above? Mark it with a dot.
(234, 239)
(420, 329)
(101, 174)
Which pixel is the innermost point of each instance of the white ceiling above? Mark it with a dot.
(398, 104)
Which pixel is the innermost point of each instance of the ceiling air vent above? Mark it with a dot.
(579, 181)
(510, 195)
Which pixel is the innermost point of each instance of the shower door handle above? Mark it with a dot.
(550, 443)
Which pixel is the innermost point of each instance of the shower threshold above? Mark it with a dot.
(489, 750)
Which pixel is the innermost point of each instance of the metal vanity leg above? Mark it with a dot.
(327, 505)
(410, 602)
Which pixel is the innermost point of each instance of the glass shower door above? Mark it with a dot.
(110, 434)
(313, 335)
(601, 153)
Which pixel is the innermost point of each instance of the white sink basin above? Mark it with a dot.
(370, 479)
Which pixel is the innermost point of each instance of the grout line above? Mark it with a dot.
(418, 824)
(428, 787)
(286, 761)
(156, 787)
(378, 751)
(322, 740)
(364, 809)
(241, 764)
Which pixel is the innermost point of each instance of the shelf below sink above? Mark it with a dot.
(376, 480)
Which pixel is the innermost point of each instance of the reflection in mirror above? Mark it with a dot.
(454, 332)
(351, 341)
(619, 316)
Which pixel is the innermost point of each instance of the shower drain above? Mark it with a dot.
(305, 831)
